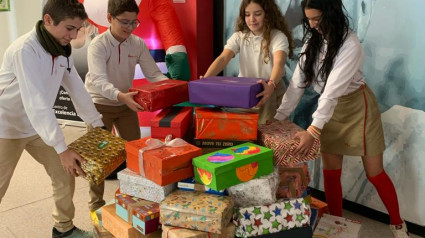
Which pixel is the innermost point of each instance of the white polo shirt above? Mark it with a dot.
(251, 57)
(346, 77)
(112, 67)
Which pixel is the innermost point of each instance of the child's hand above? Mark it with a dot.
(306, 143)
(266, 93)
(127, 98)
(71, 163)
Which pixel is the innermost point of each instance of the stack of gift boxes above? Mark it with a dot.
(247, 184)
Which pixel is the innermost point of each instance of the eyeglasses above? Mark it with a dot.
(127, 23)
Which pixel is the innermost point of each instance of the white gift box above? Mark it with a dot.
(256, 192)
(138, 186)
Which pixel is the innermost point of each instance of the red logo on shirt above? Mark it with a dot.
(132, 56)
(60, 65)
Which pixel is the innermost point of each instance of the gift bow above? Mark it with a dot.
(155, 144)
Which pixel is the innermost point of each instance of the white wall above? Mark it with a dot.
(20, 19)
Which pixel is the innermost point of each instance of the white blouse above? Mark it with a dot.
(345, 77)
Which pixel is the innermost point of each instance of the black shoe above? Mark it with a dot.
(73, 233)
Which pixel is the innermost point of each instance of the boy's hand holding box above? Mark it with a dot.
(161, 94)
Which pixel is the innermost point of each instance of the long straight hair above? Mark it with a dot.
(334, 27)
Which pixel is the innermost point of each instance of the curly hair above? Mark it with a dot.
(334, 26)
(273, 19)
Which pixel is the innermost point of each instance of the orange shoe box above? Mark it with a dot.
(164, 165)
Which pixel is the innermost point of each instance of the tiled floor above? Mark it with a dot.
(25, 211)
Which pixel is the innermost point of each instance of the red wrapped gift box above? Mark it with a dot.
(280, 137)
(214, 123)
(173, 121)
(164, 165)
(162, 94)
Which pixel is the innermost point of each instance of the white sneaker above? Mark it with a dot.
(399, 231)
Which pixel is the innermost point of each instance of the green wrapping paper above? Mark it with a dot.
(234, 165)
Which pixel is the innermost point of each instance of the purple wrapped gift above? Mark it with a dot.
(225, 91)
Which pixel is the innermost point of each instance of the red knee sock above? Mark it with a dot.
(333, 191)
(388, 195)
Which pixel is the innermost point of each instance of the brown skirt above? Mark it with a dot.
(355, 127)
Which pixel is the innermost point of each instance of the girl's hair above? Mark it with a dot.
(334, 27)
(117, 7)
(60, 10)
(273, 19)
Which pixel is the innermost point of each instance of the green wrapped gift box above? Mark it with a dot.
(234, 165)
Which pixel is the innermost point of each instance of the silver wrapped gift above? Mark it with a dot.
(256, 192)
(138, 186)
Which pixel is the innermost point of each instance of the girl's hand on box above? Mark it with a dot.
(266, 93)
(306, 142)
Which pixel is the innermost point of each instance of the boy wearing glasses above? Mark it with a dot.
(112, 58)
(34, 67)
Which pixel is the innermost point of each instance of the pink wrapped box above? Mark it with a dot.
(280, 136)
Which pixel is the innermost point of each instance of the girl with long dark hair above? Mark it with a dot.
(347, 120)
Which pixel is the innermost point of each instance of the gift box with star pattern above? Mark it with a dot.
(234, 165)
(280, 216)
(197, 211)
